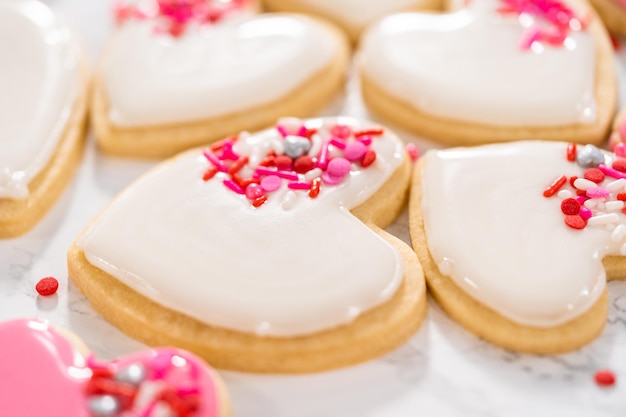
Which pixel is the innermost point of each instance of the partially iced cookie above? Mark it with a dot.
(264, 252)
(190, 72)
(43, 80)
(47, 372)
(352, 15)
(493, 71)
(518, 240)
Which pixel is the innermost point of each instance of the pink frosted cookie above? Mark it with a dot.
(43, 88)
(613, 13)
(518, 240)
(352, 15)
(493, 71)
(263, 252)
(45, 372)
(178, 74)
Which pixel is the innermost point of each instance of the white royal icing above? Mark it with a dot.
(490, 229)
(359, 12)
(280, 270)
(212, 69)
(39, 81)
(468, 65)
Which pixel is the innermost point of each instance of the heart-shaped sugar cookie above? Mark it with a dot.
(43, 84)
(517, 240)
(157, 94)
(261, 255)
(352, 15)
(493, 71)
(44, 373)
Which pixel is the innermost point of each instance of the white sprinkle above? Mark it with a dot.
(614, 205)
(600, 206)
(291, 124)
(603, 219)
(289, 200)
(591, 203)
(316, 145)
(616, 185)
(618, 233)
(583, 184)
(563, 194)
(312, 174)
(610, 226)
(277, 145)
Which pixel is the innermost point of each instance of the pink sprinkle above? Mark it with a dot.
(253, 191)
(339, 167)
(288, 175)
(233, 186)
(337, 143)
(330, 179)
(365, 140)
(529, 38)
(581, 199)
(302, 131)
(413, 151)
(611, 172)
(215, 161)
(355, 151)
(322, 159)
(299, 185)
(585, 213)
(620, 150)
(282, 130)
(341, 131)
(227, 151)
(271, 183)
(184, 391)
(598, 192)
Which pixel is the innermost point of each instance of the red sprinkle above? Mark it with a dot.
(621, 196)
(575, 222)
(605, 378)
(619, 165)
(555, 186)
(595, 175)
(571, 152)
(267, 162)
(303, 164)
(572, 179)
(258, 202)
(283, 162)
(369, 132)
(210, 173)
(238, 164)
(47, 286)
(413, 151)
(369, 158)
(315, 188)
(570, 206)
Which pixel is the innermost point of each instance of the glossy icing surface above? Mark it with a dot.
(211, 70)
(493, 232)
(468, 65)
(203, 250)
(40, 363)
(360, 12)
(39, 80)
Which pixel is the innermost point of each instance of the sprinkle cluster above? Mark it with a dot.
(303, 158)
(557, 18)
(167, 384)
(597, 198)
(175, 15)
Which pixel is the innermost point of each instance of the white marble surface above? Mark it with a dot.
(441, 371)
